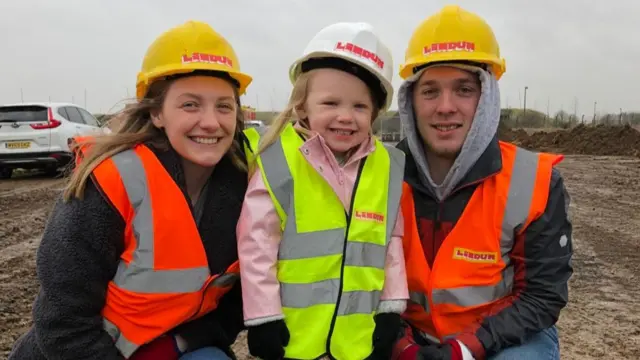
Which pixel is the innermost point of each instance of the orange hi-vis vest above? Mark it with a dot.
(472, 272)
(163, 279)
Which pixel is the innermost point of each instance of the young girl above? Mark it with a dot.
(139, 258)
(320, 234)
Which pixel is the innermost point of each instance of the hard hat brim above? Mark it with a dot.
(498, 66)
(144, 82)
(295, 70)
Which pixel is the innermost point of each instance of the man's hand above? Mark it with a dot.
(162, 348)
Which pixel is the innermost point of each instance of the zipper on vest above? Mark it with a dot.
(344, 255)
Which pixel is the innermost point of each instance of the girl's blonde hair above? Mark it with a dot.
(133, 126)
(296, 101)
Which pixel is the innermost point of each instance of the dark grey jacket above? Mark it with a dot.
(79, 255)
(541, 261)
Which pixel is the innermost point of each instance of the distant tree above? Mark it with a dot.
(562, 119)
(632, 118)
(387, 123)
(523, 119)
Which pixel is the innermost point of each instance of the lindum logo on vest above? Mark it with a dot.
(370, 216)
(475, 256)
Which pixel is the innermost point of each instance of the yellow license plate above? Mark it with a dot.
(19, 145)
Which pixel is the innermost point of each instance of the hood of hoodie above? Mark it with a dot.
(480, 135)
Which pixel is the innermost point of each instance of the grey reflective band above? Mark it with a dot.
(420, 299)
(225, 280)
(326, 292)
(366, 254)
(519, 199)
(295, 245)
(126, 347)
(468, 296)
(276, 171)
(139, 275)
(141, 279)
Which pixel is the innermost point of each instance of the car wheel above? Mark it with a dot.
(52, 171)
(5, 173)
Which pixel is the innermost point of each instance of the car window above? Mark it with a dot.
(88, 118)
(63, 112)
(74, 114)
(23, 113)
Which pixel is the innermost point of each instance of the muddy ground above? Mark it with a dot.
(602, 320)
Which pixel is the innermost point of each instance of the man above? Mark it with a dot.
(487, 235)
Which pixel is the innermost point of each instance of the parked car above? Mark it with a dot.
(253, 123)
(37, 135)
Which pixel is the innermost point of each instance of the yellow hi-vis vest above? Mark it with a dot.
(330, 262)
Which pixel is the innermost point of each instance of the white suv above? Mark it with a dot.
(37, 135)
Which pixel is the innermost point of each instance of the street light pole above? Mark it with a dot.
(546, 119)
(524, 113)
(620, 119)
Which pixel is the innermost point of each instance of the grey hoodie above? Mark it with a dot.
(482, 131)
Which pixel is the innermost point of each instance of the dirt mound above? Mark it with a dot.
(581, 139)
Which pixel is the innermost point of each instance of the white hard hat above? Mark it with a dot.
(357, 43)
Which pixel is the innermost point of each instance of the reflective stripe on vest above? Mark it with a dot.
(157, 285)
(318, 267)
(524, 181)
(128, 347)
(253, 137)
(139, 275)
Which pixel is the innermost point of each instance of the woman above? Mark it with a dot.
(139, 258)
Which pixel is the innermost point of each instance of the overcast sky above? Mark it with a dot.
(562, 50)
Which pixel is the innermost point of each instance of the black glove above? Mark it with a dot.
(385, 335)
(267, 341)
(447, 351)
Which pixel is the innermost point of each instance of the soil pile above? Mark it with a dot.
(581, 139)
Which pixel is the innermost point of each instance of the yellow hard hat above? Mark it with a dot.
(453, 34)
(189, 47)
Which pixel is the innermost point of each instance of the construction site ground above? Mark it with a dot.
(602, 173)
